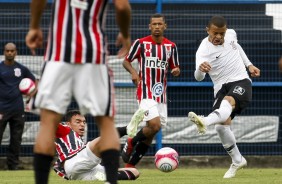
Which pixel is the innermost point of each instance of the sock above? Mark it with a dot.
(229, 142)
(139, 137)
(220, 115)
(42, 164)
(140, 149)
(122, 131)
(126, 175)
(111, 163)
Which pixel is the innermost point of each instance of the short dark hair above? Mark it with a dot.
(157, 15)
(218, 21)
(70, 114)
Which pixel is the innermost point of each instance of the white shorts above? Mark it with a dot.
(84, 166)
(91, 85)
(154, 110)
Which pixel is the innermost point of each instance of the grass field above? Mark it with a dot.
(153, 176)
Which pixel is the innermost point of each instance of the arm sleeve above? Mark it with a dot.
(134, 51)
(244, 57)
(199, 76)
(174, 61)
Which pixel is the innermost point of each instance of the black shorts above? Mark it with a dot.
(241, 91)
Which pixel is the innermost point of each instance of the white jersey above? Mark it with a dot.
(228, 61)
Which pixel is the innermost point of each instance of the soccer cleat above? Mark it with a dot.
(234, 168)
(127, 150)
(197, 120)
(136, 119)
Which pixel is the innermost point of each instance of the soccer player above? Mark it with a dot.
(224, 60)
(155, 55)
(80, 161)
(76, 67)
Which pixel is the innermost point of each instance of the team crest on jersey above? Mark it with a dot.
(18, 72)
(232, 43)
(158, 89)
(239, 90)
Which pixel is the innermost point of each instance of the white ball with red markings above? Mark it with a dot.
(26, 86)
(166, 159)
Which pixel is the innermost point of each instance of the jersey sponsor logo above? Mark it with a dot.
(239, 90)
(18, 72)
(158, 89)
(79, 4)
(153, 62)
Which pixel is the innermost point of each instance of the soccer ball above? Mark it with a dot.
(26, 86)
(166, 159)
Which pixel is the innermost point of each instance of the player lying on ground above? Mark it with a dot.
(80, 161)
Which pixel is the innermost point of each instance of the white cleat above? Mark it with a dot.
(136, 119)
(234, 168)
(197, 120)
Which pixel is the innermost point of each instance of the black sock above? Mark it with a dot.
(122, 131)
(42, 164)
(126, 175)
(110, 160)
(140, 149)
(139, 137)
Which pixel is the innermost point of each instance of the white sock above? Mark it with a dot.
(229, 142)
(220, 115)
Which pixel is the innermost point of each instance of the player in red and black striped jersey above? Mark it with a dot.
(75, 60)
(80, 161)
(156, 56)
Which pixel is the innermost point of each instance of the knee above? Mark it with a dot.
(155, 127)
(230, 99)
(220, 129)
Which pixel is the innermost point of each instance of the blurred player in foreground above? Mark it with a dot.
(76, 66)
(80, 161)
(155, 55)
(224, 60)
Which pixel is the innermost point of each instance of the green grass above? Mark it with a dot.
(153, 176)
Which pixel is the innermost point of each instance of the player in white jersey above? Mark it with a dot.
(224, 60)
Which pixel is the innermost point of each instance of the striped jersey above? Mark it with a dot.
(68, 143)
(76, 32)
(154, 62)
